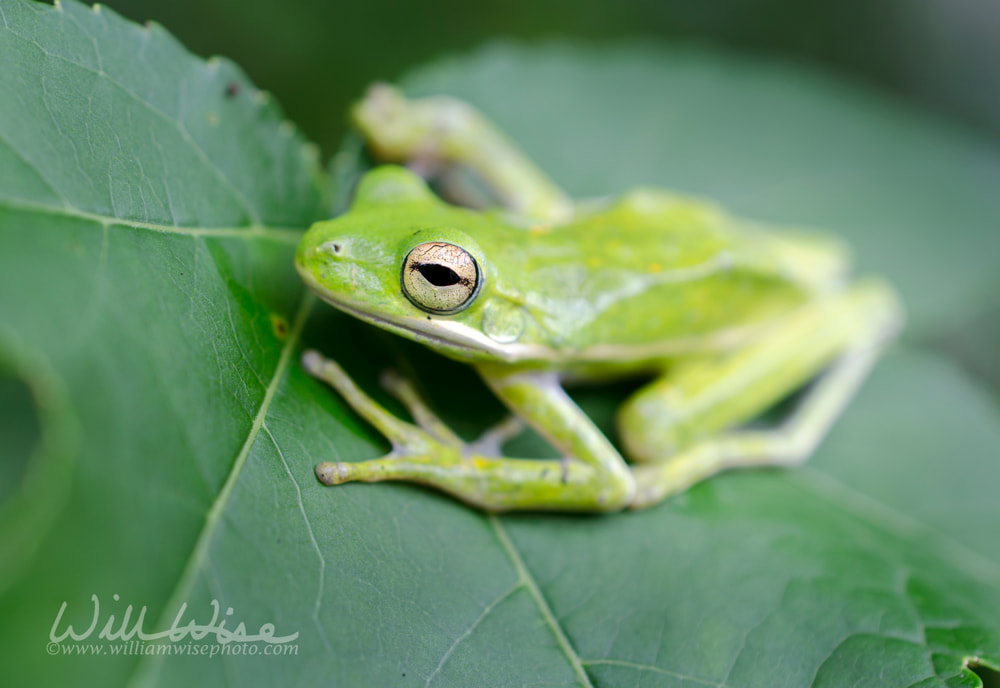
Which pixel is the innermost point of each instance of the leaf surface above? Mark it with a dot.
(148, 214)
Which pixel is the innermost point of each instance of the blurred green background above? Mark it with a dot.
(316, 55)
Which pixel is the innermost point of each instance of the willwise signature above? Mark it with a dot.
(180, 629)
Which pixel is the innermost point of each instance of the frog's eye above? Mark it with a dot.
(440, 277)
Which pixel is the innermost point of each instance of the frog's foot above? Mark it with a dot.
(400, 434)
(432, 454)
(401, 130)
(429, 437)
(433, 134)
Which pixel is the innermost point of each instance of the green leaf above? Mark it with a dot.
(150, 203)
(148, 214)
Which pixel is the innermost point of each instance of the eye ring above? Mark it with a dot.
(439, 277)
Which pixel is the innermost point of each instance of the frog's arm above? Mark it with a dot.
(431, 454)
(446, 130)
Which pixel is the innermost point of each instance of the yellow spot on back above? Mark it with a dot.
(535, 230)
(593, 261)
(655, 267)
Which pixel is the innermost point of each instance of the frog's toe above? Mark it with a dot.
(333, 472)
(323, 368)
(406, 393)
(312, 361)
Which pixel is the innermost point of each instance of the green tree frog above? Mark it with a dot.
(724, 316)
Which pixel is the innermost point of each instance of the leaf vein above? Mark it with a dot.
(176, 123)
(656, 669)
(289, 235)
(458, 641)
(889, 519)
(312, 538)
(196, 561)
(34, 167)
(543, 606)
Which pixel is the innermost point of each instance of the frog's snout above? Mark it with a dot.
(318, 258)
(332, 250)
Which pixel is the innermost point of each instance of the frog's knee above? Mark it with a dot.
(646, 201)
(616, 492)
(669, 206)
(648, 428)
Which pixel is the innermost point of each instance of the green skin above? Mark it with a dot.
(727, 316)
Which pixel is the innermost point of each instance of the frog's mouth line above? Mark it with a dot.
(397, 327)
(464, 344)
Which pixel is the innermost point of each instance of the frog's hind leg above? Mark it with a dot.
(441, 131)
(677, 425)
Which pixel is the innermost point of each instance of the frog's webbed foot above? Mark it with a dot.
(429, 437)
(399, 433)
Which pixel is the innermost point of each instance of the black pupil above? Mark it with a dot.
(438, 275)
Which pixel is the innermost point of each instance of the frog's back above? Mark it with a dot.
(655, 275)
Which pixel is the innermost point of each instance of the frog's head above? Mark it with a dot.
(400, 259)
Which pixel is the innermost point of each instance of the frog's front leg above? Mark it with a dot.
(445, 130)
(593, 477)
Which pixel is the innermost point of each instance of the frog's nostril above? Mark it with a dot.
(332, 249)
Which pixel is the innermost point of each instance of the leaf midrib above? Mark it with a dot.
(290, 235)
(146, 666)
(526, 579)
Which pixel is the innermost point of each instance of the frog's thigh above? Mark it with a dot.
(697, 399)
(850, 327)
